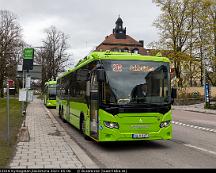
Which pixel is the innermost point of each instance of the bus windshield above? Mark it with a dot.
(52, 93)
(136, 82)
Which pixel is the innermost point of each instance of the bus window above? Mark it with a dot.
(52, 94)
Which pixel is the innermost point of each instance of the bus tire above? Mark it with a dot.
(82, 127)
(62, 115)
(59, 111)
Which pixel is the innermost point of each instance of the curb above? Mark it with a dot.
(82, 156)
(192, 110)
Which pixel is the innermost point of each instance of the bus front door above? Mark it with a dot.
(94, 97)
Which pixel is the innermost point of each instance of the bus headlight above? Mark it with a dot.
(111, 125)
(165, 124)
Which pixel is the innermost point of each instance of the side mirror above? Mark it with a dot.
(164, 69)
(173, 95)
(101, 77)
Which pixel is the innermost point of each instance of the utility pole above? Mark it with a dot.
(23, 86)
(8, 113)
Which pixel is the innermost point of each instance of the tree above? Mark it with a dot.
(176, 25)
(188, 28)
(205, 45)
(10, 43)
(211, 37)
(53, 56)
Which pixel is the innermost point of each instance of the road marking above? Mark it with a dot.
(201, 149)
(195, 127)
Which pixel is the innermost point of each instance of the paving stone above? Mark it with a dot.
(14, 164)
(44, 150)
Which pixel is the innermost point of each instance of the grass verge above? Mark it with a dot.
(7, 147)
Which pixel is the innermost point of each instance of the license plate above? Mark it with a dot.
(140, 135)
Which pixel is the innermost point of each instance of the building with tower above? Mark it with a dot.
(119, 41)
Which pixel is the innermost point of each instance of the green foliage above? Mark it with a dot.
(188, 29)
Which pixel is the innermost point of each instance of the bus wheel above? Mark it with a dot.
(59, 112)
(82, 124)
(82, 127)
(62, 115)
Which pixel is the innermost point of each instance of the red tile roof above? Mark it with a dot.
(129, 43)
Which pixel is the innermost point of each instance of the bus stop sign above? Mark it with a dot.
(28, 57)
(28, 53)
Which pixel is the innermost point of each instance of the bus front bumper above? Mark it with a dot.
(114, 135)
(51, 103)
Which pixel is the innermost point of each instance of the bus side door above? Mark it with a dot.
(94, 105)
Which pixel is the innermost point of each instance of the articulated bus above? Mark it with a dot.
(113, 96)
(50, 94)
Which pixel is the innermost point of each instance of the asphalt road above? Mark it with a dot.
(193, 145)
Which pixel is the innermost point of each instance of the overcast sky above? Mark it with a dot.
(86, 22)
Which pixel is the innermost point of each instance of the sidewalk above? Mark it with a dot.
(49, 146)
(195, 108)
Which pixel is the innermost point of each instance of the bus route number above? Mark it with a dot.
(117, 67)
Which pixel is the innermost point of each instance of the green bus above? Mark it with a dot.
(50, 94)
(113, 96)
